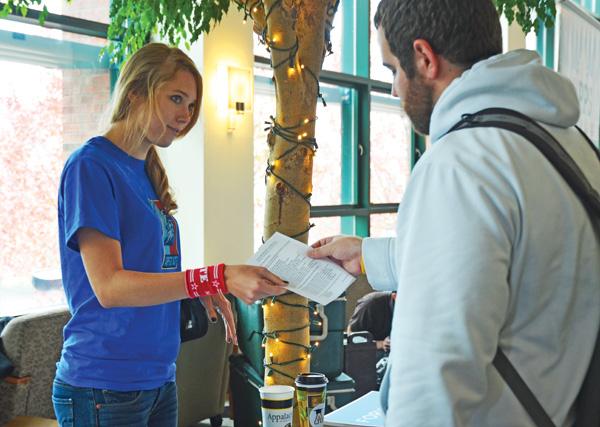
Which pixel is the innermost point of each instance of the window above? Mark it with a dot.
(390, 149)
(54, 92)
(90, 10)
(366, 145)
(377, 70)
(571, 48)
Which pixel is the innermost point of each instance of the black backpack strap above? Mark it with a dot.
(520, 389)
(544, 141)
(589, 141)
(555, 153)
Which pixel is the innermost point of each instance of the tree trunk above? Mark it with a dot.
(289, 23)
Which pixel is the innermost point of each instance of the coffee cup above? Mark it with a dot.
(277, 405)
(311, 388)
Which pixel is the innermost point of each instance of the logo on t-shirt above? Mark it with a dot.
(169, 231)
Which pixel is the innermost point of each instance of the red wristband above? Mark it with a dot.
(201, 282)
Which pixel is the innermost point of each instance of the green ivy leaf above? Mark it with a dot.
(43, 16)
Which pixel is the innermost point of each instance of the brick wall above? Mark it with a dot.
(85, 91)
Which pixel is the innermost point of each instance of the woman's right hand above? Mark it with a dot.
(250, 283)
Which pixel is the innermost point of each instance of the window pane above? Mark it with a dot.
(383, 225)
(46, 111)
(264, 106)
(378, 71)
(325, 227)
(259, 48)
(327, 165)
(390, 149)
(91, 10)
(17, 34)
(333, 62)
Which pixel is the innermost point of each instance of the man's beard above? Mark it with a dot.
(418, 104)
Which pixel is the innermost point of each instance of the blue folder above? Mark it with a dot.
(365, 411)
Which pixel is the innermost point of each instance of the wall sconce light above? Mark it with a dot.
(240, 94)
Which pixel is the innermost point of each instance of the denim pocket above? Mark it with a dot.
(63, 408)
(116, 398)
(130, 408)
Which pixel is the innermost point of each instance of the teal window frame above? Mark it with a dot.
(68, 24)
(546, 37)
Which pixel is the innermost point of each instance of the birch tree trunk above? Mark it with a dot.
(290, 24)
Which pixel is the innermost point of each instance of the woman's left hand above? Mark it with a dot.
(219, 304)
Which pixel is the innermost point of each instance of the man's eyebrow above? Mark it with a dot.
(389, 66)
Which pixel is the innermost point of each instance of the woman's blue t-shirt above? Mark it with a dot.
(125, 348)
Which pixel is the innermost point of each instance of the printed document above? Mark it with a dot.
(320, 280)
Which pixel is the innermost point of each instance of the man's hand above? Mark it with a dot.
(345, 251)
(387, 344)
(384, 344)
(250, 283)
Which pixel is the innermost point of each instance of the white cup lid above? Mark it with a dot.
(277, 392)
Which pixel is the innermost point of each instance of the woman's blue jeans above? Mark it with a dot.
(91, 407)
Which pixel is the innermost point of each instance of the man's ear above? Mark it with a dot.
(427, 62)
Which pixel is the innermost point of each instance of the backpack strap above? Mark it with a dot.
(520, 389)
(544, 141)
(555, 153)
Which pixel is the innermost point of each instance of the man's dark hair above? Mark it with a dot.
(462, 31)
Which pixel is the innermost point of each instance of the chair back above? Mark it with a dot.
(33, 343)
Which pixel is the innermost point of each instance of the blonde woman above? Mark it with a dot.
(120, 255)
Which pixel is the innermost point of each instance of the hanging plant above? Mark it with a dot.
(528, 13)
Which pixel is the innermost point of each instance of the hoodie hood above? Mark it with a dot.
(517, 80)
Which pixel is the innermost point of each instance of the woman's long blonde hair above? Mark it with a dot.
(143, 75)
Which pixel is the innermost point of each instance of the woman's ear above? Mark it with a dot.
(132, 97)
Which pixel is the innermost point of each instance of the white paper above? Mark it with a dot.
(320, 280)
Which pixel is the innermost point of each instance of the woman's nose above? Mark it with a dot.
(184, 115)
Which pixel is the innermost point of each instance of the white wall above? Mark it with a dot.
(211, 170)
(512, 35)
(514, 38)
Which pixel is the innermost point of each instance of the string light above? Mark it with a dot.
(271, 365)
(297, 138)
